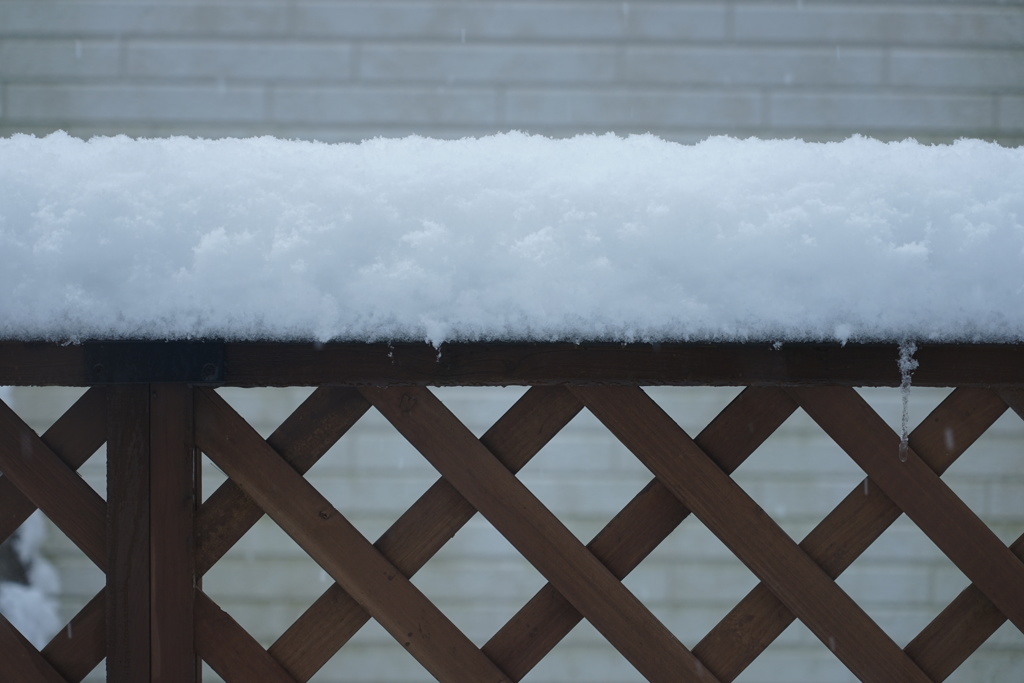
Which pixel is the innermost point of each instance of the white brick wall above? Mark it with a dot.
(347, 70)
(689, 582)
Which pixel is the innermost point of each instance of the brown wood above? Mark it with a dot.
(21, 661)
(73, 438)
(423, 529)
(301, 440)
(958, 630)
(326, 536)
(749, 533)
(81, 645)
(128, 570)
(712, 364)
(52, 486)
(172, 508)
(608, 363)
(846, 532)
(41, 364)
(638, 529)
(230, 650)
(925, 498)
(536, 533)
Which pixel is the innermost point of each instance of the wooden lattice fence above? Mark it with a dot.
(155, 407)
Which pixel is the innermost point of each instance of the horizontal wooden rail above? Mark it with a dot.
(252, 364)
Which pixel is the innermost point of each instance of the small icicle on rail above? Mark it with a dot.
(907, 365)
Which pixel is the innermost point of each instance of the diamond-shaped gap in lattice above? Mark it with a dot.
(372, 655)
(372, 475)
(478, 407)
(798, 475)
(902, 581)
(692, 408)
(584, 655)
(796, 656)
(584, 476)
(265, 581)
(478, 580)
(66, 580)
(690, 581)
(989, 476)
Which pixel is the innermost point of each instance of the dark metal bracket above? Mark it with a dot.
(133, 362)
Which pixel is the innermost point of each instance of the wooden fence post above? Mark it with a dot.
(151, 502)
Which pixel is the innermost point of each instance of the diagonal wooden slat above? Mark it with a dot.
(52, 486)
(302, 439)
(229, 649)
(959, 629)
(423, 529)
(81, 645)
(74, 437)
(846, 532)
(749, 533)
(305, 515)
(925, 498)
(1014, 398)
(21, 661)
(639, 528)
(536, 533)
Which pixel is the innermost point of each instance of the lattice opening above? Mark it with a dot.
(478, 580)
(798, 475)
(265, 582)
(372, 475)
(584, 476)
(690, 581)
(902, 581)
(478, 407)
(817, 664)
(692, 408)
(584, 654)
(990, 479)
(373, 656)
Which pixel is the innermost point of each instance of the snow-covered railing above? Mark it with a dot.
(583, 269)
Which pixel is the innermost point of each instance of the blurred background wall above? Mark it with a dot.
(934, 70)
(345, 71)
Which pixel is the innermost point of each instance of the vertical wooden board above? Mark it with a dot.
(128, 565)
(172, 509)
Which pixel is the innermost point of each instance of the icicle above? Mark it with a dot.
(866, 491)
(69, 630)
(907, 365)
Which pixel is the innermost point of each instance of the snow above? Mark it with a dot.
(511, 237)
(32, 608)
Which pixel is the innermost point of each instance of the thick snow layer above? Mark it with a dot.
(510, 237)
